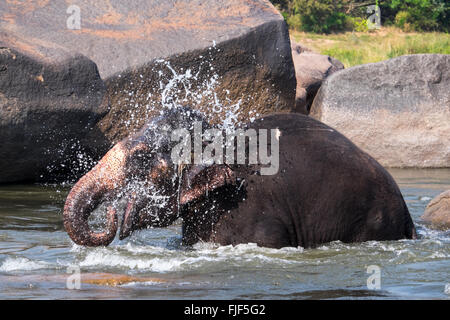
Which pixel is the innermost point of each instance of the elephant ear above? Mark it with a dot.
(199, 180)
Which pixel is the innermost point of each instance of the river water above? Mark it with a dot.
(38, 260)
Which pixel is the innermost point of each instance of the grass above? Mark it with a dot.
(354, 48)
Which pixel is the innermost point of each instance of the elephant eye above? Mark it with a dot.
(140, 161)
(143, 156)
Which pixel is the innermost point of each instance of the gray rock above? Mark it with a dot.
(437, 212)
(396, 110)
(311, 69)
(242, 47)
(298, 48)
(48, 106)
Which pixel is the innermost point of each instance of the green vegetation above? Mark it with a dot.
(421, 15)
(354, 48)
(340, 28)
(326, 16)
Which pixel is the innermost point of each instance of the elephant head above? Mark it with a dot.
(140, 168)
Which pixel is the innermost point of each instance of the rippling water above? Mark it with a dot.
(35, 254)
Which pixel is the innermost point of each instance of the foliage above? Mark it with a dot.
(295, 22)
(326, 16)
(322, 16)
(421, 15)
(402, 20)
(360, 48)
(359, 24)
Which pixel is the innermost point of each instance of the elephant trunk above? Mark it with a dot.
(99, 183)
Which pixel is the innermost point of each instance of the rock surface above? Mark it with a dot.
(47, 107)
(239, 48)
(298, 48)
(230, 58)
(437, 212)
(396, 110)
(311, 69)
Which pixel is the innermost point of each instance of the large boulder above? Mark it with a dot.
(437, 212)
(396, 110)
(311, 69)
(150, 53)
(50, 99)
(230, 58)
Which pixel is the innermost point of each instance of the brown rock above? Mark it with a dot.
(50, 100)
(298, 48)
(437, 212)
(114, 280)
(99, 279)
(239, 50)
(311, 69)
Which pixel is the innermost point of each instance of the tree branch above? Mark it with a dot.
(354, 6)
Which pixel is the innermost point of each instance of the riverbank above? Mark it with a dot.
(355, 48)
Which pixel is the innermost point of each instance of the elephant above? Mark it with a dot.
(325, 189)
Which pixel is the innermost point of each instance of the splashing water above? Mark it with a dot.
(175, 88)
(178, 87)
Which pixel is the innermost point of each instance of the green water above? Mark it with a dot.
(35, 254)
